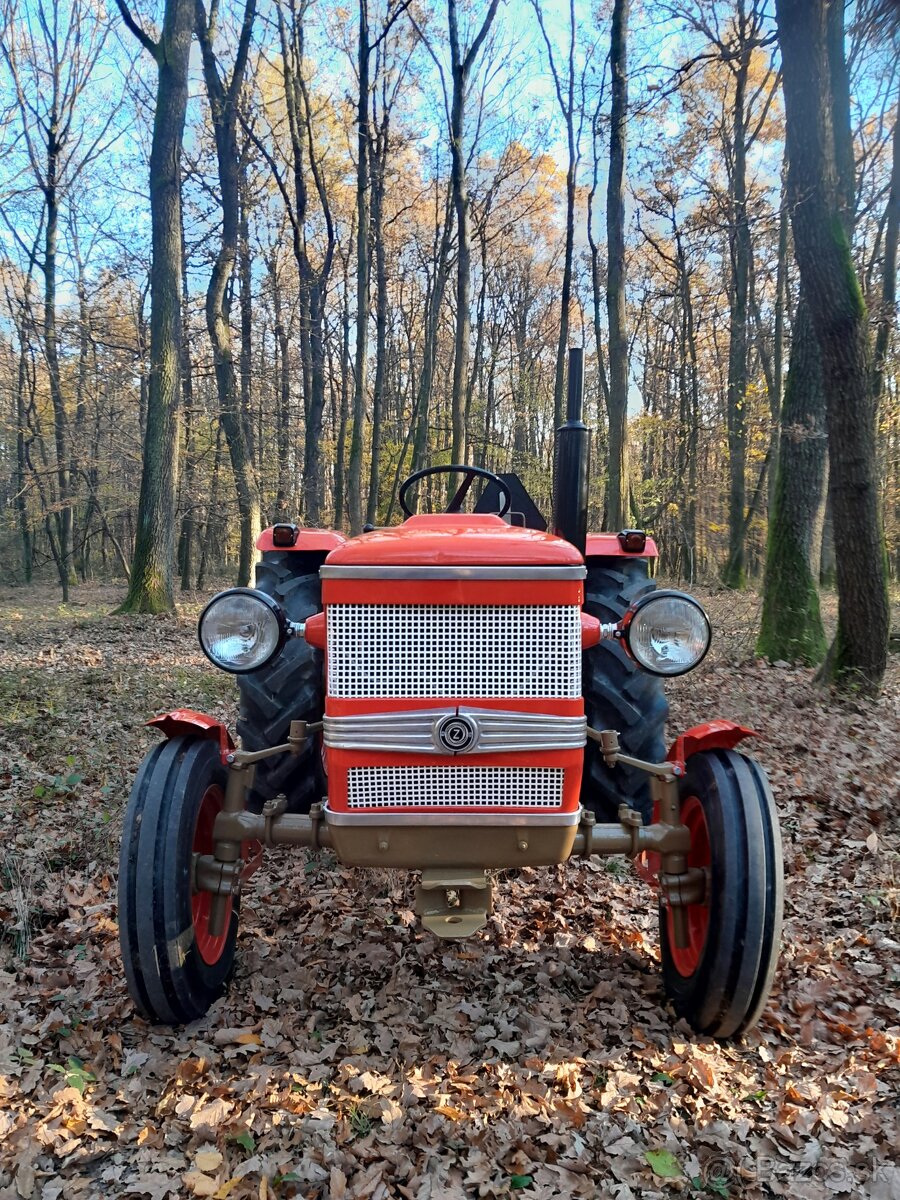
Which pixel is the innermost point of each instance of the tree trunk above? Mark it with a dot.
(343, 415)
(223, 108)
(885, 317)
(858, 656)
(22, 460)
(617, 401)
(354, 482)
(245, 277)
(741, 254)
(188, 522)
(313, 281)
(461, 69)
(150, 586)
(212, 513)
(313, 481)
(381, 321)
(282, 402)
(775, 400)
(791, 620)
(51, 351)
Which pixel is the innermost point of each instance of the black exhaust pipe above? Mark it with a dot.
(572, 459)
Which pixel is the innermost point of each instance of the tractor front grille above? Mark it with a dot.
(443, 650)
(455, 787)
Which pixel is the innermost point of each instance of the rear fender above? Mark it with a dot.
(310, 540)
(713, 735)
(184, 722)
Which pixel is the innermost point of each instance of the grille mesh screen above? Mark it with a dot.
(455, 787)
(454, 650)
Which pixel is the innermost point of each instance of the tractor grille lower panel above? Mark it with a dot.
(455, 787)
(402, 650)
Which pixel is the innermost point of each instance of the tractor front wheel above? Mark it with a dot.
(174, 966)
(720, 981)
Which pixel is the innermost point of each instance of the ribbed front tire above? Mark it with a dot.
(175, 969)
(720, 981)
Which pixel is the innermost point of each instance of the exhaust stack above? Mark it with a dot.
(571, 464)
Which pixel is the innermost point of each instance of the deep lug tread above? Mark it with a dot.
(618, 694)
(289, 689)
(728, 991)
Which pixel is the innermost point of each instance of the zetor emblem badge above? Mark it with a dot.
(456, 733)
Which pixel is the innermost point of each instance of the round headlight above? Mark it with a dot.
(668, 633)
(241, 630)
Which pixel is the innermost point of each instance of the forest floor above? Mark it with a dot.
(357, 1056)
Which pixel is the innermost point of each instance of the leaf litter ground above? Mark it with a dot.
(356, 1055)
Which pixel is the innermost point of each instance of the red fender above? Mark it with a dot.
(713, 735)
(320, 540)
(194, 724)
(607, 545)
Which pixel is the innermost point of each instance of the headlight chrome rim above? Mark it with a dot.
(648, 602)
(271, 605)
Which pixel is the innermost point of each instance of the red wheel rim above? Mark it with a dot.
(687, 960)
(210, 948)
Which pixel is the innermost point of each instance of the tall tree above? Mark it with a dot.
(50, 53)
(617, 395)
(150, 586)
(355, 496)
(314, 277)
(461, 63)
(223, 99)
(816, 108)
(365, 235)
(564, 86)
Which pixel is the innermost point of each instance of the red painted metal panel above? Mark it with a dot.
(607, 545)
(449, 539)
(186, 722)
(452, 591)
(323, 540)
(712, 735)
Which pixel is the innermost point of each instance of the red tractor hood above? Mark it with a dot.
(450, 539)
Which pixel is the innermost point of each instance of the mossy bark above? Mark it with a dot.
(791, 620)
(815, 110)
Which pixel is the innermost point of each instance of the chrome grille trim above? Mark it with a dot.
(414, 650)
(416, 732)
(554, 574)
(522, 819)
(455, 787)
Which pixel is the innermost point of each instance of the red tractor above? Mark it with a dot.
(458, 694)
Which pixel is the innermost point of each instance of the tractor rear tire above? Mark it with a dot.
(619, 695)
(291, 688)
(720, 982)
(175, 969)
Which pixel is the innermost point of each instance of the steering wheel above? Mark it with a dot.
(455, 505)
